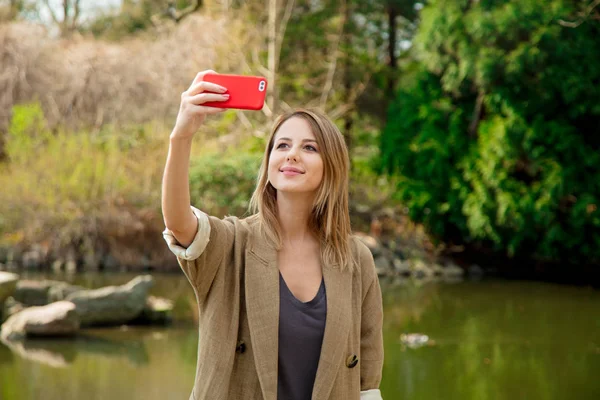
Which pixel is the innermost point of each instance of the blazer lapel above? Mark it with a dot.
(262, 306)
(338, 285)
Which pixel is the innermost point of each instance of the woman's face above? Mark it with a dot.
(295, 164)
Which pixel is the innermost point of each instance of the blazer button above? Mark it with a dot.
(352, 361)
(241, 347)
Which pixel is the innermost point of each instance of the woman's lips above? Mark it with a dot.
(290, 173)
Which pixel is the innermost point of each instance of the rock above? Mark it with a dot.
(33, 293)
(61, 290)
(437, 269)
(398, 252)
(110, 263)
(420, 270)
(39, 293)
(382, 266)
(57, 265)
(56, 319)
(401, 267)
(475, 271)
(8, 284)
(362, 208)
(11, 307)
(71, 266)
(372, 243)
(157, 311)
(452, 270)
(33, 258)
(112, 305)
(4, 250)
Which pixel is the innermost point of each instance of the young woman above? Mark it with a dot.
(289, 301)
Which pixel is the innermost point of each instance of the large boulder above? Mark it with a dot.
(62, 290)
(56, 319)
(10, 307)
(8, 284)
(112, 305)
(40, 293)
(157, 311)
(34, 293)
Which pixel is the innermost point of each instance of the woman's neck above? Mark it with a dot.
(294, 212)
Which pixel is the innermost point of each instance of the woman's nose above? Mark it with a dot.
(292, 154)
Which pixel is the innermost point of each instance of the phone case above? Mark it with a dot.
(245, 92)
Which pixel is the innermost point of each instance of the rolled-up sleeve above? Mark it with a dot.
(195, 249)
(201, 260)
(371, 394)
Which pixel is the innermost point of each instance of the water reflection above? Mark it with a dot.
(487, 341)
(61, 352)
(493, 340)
(135, 363)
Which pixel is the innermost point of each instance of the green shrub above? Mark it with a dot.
(54, 180)
(222, 183)
(497, 140)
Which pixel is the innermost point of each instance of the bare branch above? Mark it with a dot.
(66, 7)
(255, 59)
(283, 25)
(52, 14)
(583, 16)
(75, 15)
(186, 11)
(350, 103)
(476, 118)
(333, 63)
(244, 120)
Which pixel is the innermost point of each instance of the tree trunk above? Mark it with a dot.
(346, 45)
(15, 6)
(272, 56)
(392, 61)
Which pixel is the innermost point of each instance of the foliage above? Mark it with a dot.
(55, 178)
(496, 141)
(222, 184)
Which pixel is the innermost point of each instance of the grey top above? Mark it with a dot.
(301, 329)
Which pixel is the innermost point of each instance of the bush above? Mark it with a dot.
(54, 182)
(497, 141)
(222, 183)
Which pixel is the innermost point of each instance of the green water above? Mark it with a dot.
(488, 340)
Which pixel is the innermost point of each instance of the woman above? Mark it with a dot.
(289, 302)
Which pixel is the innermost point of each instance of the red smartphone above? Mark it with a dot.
(245, 92)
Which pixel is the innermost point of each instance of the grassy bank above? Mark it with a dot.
(92, 198)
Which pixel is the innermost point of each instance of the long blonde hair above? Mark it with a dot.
(330, 219)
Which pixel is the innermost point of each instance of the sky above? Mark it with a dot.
(88, 7)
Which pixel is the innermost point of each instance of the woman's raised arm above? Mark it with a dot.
(177, 214)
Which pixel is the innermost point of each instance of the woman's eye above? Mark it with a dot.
(311, 148)
(281, 144)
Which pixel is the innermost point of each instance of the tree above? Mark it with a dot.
(68, 19)
(587, 12)
(497, 139)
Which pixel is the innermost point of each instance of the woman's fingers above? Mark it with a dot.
(204, 86)
(202, 98)
(209, 110)
(200, 76)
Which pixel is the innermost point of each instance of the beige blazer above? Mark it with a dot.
(235, 278)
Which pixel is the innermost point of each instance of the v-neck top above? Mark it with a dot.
(301, 330)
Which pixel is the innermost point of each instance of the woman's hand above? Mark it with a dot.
(192, 111)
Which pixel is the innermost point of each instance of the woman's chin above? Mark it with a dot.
(294, 189)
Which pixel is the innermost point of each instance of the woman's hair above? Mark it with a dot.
(330, 219)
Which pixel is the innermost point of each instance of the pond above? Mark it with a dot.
(488, 340)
